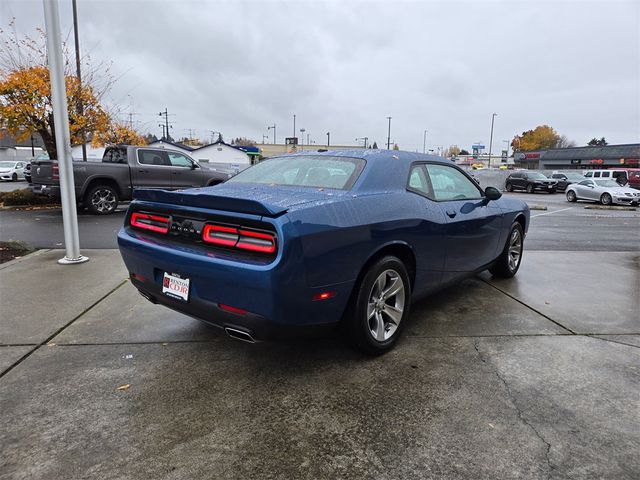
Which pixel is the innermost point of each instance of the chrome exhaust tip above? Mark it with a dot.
(239, 335)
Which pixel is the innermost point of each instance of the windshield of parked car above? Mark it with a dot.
(607, 183)
(536, 176)
(304, 171)
(7, 164)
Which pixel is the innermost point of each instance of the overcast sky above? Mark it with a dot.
(344, 66)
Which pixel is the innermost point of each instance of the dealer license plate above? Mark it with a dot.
(175, 286)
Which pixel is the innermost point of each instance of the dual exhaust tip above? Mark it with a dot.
(239, 335)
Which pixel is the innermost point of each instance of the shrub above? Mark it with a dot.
(25, 196)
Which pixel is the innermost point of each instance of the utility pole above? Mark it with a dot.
(79, 107)
(63, 138)
(328, 138)
(165, 114)
(493, 116)
(294, 125)
(424, 142)
(33, 151)
(389, 135)
(273, 127)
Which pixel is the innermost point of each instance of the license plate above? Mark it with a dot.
(175, 286)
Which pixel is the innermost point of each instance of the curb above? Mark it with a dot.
(25, 257)
(537, 207)
(610, 207)
(35, 207)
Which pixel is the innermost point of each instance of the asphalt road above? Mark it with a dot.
(11, 186)
(563, 226)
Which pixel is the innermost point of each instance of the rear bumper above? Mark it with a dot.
(48, 190)
(545, 188)
(277, 302)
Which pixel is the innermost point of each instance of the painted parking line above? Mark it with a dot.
(549, 213)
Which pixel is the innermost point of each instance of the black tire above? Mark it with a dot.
(552, 191)
(14, 177)
(530, 188)
(101, 200)
(509, 187)
(606, 199)
(506, 265)
(362, 320)
(571, 196)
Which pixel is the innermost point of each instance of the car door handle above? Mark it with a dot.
(451, 213)
(143, 171)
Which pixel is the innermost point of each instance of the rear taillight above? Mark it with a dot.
(55, 171)
(147, 221)
(241, 238)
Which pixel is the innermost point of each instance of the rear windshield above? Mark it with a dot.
(317, 171)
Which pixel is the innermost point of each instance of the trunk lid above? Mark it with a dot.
(266, 200)
(44, 173)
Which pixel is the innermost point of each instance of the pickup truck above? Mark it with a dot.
(100, 186)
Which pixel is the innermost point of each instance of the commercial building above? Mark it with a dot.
(607, 156)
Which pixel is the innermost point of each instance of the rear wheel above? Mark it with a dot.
(571, 196)
(101, 200)
(529, 188)
(381, 306)
(606, 199)
(14, 177)
(508, 263)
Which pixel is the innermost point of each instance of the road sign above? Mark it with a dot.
(291, 141)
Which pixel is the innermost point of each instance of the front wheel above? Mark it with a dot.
(509, 187)
(529, 188)
(606, 199)
(101, 200)
(571, 196)
(14, 177)
(509, 260)
(381, 306)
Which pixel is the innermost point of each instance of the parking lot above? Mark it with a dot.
(533, 377)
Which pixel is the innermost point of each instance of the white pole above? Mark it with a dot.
(63, 139)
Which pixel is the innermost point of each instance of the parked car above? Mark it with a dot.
(565, 179)
(530, 182)
(12, 170)
(302, 243)
(100, 186)
(605, 191)
(624, 176)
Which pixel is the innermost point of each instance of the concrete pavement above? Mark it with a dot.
(534, 377)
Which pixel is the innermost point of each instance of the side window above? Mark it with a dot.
(152, 157)
(606, 174)
(585, 182)
(179, 160)
(418, 181)
(596, 175)
(450, 184)
(588, 174)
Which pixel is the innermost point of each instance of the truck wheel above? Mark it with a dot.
(101, 200)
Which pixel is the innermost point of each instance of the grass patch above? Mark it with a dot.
(11, 250)
(25, 196)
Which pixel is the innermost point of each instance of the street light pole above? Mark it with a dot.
(294, 125)
(273, 127)
(328, 138)
(302, 130)
(424, 142)
(63, 138)
(389, 135)
(493, 116)
(77, 45)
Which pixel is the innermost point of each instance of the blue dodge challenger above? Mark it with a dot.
(302, 243)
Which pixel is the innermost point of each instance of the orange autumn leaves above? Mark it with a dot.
(25, 108)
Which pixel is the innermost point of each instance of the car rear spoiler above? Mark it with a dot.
(197, 198)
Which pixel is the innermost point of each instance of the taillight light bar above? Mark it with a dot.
(55, 171)
(241, 238)
(147, 221)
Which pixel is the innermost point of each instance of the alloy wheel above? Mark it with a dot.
(386, 305)
(104, 200)
(515, 249)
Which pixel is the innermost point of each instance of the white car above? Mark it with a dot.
(604, 191)
(12, 170)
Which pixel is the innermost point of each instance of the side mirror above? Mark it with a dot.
(492, 193)
(194, 165)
